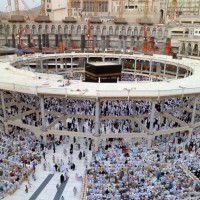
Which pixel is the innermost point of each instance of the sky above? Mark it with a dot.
(30, 4)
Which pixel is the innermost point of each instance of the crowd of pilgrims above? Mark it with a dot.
(108, 112)
(18, 156)
(122, 170)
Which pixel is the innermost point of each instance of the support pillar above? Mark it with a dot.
(41, 66)
(165, 65)
(97, 118)
(42, 113)
(152, 117)
(134, 108)
(193, 112)
(149, 142)
(190, 134)
(96, 144)
(71, 63)
(3, 106)
(150, 67)
(64, 111)
(150, 134)
(177, 72)
(135, 68)
(56, 65)
(6, 128)
(162, 105)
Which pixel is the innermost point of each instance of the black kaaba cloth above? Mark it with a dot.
(108, 72)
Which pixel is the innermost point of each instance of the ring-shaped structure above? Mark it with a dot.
(13, 79)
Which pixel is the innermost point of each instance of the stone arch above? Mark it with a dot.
(21, 27)
(46, 29)
(117, 30)
(104, 31)
(66, 30)
(195, 50)
(166, 33)
(129, 31)
(110, 30)
(40, 29)
(154, 32)
(189, 49)
(141, 31)
(183, 49)
(60, 31)
(98, 31)
(72, 30)
(85, 29)
(8, 29)
(148, 31)
(14, 29)
(123, 31)
(78, 30)
(160, 33)
(1, 29)
(34, 30)
(53, 29)
(135, 31)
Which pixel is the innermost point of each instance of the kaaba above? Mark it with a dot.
(108, 72)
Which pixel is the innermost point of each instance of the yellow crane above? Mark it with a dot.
(69, 8)
(146, 8)
(16, 7)
(95, 7)
(173, 9)
(121, 8)
(42, 11)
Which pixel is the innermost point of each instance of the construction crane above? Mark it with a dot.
(121, 8)
(69, 8)
(30, 15)
(146, 8)
(17, 7)
(95, 7)
(9, 8)
(42, 11)
(173, 9)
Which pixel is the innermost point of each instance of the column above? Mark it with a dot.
(56, 64)
(150, 67)
(165, 65)
(134, 107)
(42, 113)
(149, 141)
(64, 111)
(87, 58)
(6, 128)
(97, 117)
(135, 67)
(120, 60)
(190, 133)
(149, 136)
(71, 63)
(152, 117)
(103, 58)
(96, 144)
(177, 72)
(162, 105)
(41, 66)
(3, 106)
(193, 112)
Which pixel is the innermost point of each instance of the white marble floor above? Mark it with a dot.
(50, 190)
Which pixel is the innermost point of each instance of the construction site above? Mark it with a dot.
(162, 27)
